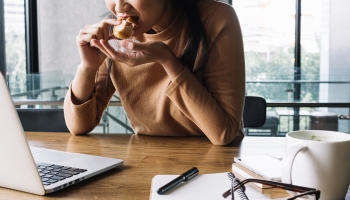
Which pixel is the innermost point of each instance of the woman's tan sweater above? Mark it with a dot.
(207, 102)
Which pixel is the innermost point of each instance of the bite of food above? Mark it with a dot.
(125, 29)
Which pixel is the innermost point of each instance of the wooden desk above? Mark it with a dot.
(145, 157)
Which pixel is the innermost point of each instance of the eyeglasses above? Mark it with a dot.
(303, 191)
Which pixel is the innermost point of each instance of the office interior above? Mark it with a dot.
(296, 56)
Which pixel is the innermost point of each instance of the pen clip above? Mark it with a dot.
(192, 176)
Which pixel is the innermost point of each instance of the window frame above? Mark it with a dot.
(2, 39)
(31, 36)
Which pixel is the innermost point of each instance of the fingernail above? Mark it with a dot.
(92, 43)
(124, 43)
(130, 45)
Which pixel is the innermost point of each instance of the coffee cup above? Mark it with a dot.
(320, 160)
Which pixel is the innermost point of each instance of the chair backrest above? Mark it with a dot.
(42, 120)
(254, 114)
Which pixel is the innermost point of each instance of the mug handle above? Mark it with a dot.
(287, 163)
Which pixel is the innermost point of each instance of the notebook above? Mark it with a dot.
(246, 173)
(38, 170)
(202, 187)
(265, 165)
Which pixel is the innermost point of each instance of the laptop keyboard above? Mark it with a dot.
(51, 173)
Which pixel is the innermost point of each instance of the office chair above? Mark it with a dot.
(42, 120)
(254, 113)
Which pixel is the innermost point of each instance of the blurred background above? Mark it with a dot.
(296, 54)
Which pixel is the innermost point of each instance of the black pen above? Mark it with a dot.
(190, 174)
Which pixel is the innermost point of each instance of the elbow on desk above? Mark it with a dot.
(221, 143)
(224, 133)
(77, 132)
(76, 127)
(223, 139)
(226, 136)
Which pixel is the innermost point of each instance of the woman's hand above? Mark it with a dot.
(91, 57)
(147, 52)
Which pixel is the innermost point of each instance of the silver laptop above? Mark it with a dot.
(37, 170)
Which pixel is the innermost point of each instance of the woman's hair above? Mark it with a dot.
(196, 52)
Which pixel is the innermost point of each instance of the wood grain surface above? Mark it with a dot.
(144, 157)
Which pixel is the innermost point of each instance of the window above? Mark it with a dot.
(15, 36)
(269, 34)
(15, 46)
(271, 38)
(268, 28)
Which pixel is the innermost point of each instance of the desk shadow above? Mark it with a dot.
(237, 142)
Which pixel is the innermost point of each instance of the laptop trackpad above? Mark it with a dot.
(52, 156)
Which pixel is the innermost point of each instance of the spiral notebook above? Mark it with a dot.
(203, 187)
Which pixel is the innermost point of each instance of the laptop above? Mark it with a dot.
(38, 170)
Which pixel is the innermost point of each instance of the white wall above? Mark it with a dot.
(59, 23)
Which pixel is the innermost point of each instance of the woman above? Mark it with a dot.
(187, 77)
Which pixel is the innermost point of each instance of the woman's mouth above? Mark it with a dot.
(126, 28)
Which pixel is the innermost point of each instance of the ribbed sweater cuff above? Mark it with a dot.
(83, 106)
(177, 81)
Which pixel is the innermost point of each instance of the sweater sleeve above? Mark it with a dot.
(83, 118)
(216, 106)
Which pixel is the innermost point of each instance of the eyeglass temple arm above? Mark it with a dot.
(228, 192)
(317, 194)
(285, 186)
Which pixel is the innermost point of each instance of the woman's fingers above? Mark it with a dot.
(146, 47)
(105, 23)
(84, 39)
(141, 52)
(135, 46)
(99, 30)
(110, 51)
(97, 44)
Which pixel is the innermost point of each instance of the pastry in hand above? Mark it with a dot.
(125, 29)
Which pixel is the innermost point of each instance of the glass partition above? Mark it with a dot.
(40, 87)
(314, 88)
(280, 120)
(48, 90)
(321, 107)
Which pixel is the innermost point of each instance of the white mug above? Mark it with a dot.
(320, 160)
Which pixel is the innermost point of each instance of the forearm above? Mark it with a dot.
(218, 115)
(172, 66)
(82, 118)
(83, 85)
